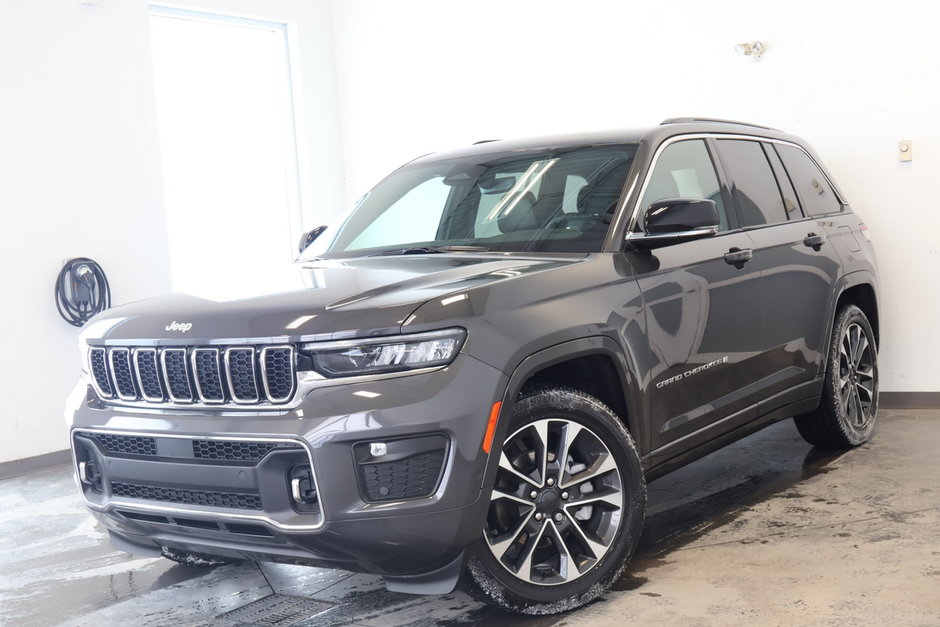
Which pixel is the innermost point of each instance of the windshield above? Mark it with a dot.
(525, 201)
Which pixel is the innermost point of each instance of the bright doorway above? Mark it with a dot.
(229, 152)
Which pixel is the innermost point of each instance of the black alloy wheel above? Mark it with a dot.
(847, 412)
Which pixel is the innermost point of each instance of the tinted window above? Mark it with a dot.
(755, 192)
(812, 186)
(685, 170)
(790, 201)
(412, 217)
(560, 200)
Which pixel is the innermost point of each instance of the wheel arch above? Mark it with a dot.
(570, 364)
(861, 293)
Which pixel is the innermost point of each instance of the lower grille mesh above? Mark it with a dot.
(235, 500)
(409, 478)
(127, 444)
(239, 451)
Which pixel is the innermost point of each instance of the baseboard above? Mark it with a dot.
(909, 400)
(31, 464)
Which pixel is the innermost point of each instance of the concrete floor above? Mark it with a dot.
(768, 531)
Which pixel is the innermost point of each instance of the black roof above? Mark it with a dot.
(668, 128)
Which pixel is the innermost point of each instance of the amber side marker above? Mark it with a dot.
(491, 428)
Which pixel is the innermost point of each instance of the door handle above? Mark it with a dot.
(814, 241)
(738, 257)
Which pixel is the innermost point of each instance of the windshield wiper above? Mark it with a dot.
(430, 250)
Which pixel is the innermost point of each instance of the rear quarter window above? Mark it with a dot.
(816, 195)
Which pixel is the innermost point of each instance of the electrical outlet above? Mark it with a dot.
(905, 150)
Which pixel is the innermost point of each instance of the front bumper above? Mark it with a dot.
(171, 492)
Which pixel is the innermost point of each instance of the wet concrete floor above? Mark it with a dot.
(767, 531)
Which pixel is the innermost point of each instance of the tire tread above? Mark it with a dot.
(824, 426)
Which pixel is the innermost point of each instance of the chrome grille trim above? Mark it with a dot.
(264, 376)
(124, 355)
(95, 353)
(231, 377)
(198, 373)
(166, 376)
(264, 373)
(136, 355)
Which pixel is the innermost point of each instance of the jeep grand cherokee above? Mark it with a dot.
(497, 348)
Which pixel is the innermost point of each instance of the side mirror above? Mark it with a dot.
(307, 238)
(676, 215)
(675, 220)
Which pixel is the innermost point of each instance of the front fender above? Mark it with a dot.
(593, 345)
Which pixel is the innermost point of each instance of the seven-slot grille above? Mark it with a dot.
(241, 375)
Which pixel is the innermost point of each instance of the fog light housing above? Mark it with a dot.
(401, 469)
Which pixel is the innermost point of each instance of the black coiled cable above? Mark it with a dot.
(81, 291)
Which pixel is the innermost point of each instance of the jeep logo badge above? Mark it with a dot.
(182, 327)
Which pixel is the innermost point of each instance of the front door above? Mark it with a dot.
(703, 313)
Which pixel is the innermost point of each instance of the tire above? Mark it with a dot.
(525, 561)
(187, 558)
(846, 413)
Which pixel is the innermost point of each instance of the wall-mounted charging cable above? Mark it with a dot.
(81, 291)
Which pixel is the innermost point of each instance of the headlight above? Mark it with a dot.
(385, 354)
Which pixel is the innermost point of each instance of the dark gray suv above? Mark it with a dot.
(499, 346)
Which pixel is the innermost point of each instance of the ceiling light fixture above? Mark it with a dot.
(755, 50)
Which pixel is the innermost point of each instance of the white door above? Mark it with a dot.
(228, 149)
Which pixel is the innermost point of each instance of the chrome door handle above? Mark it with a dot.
(814, 241)
(738, 257)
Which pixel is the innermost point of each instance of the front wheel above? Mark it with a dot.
(846, 414)
(566, 509)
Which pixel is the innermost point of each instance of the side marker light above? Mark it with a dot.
(491, 428)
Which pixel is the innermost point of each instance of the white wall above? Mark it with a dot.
(79, 176)
(383, 82)
(423, 75)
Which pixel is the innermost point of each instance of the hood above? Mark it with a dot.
(347, 298)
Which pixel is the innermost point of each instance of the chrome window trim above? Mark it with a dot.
(293, 378)
(676, 235)
(140, 383)
(169, 388)
(254, 374)
(130, 370)
(215, 513)
(634, 215)
(195, 370)
(107, 372)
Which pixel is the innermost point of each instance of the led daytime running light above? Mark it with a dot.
(386, 354)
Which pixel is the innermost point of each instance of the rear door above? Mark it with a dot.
(703, 312)
(798, 268)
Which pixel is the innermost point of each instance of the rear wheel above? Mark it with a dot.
(846, 414)
(567, 507)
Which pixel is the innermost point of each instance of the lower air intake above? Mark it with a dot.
(233, 500)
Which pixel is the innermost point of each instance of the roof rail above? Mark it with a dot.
(688, 120)
(485, 141)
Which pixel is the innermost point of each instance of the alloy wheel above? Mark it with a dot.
(856, 375)
(557, 503)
